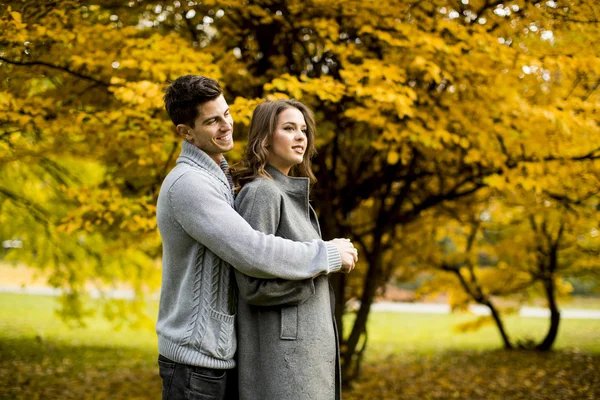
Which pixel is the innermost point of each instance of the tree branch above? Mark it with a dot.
(38, 213)
(57, 67)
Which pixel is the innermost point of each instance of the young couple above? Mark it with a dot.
(255, 282)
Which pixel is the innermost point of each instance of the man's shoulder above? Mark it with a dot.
(185, 181)
(187, 175)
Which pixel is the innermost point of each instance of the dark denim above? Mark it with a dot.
(187, 382)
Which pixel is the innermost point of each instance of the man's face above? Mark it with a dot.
(213, 129)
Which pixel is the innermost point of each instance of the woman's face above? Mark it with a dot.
(289, 140)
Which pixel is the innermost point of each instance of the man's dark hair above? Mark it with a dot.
(185, 94)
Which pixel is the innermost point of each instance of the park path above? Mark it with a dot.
(384, 306)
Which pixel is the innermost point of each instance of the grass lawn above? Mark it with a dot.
(398, 333)
(42, 358)
(412, 356)
(408, 356)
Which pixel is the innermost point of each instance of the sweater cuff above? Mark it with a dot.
(334, 259)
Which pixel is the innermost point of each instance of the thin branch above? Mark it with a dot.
(37, 212)
(592, 89)
(57, 67)
(575, 84)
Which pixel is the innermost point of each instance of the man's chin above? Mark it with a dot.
(225, 149)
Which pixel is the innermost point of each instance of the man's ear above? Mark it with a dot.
(183, 131)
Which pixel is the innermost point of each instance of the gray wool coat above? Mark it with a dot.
(287, 338)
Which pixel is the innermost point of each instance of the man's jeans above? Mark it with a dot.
(186, 382)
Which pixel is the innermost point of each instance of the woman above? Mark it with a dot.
(287, 339)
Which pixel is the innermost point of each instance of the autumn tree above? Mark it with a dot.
(418, 104)
(509, 248)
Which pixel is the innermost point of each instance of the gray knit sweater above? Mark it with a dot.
(202, 235)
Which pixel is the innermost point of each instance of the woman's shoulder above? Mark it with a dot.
(259, 189)
(262, 185)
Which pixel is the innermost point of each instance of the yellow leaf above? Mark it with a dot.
(393, 157)
(16, 16)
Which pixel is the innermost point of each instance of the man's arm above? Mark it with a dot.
(200, 209)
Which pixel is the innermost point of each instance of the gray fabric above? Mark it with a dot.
(225, 168)
(287, 339)
(202, 235)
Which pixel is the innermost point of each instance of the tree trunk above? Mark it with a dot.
(548, 341)
(350, 361)
(477, 295)
(496, 315)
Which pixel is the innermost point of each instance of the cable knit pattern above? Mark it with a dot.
(224, 280)
(196, 299)
(206, 292)
(214, 286)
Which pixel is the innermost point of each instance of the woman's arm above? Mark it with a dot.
(260, 205)
(273, 292)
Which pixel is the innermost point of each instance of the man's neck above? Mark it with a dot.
(216, 157)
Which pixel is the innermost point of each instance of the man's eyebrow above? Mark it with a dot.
(209, 118)
(213, 116)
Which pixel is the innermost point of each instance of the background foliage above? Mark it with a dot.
(457, 137)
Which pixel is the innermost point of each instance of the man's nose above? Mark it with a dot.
(227, 125)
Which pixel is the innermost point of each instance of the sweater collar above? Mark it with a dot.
(299, 185)
(191, 154)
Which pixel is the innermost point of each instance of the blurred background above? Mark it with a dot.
(458, 147)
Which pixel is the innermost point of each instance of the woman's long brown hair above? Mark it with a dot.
(260, 136)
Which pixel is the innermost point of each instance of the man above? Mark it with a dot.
(202, 238)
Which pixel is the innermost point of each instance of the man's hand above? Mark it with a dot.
(348, 252)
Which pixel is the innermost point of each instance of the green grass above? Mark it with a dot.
(27, 316)
(396, 333)
(42, 358)
(409, 356)
(489, 375)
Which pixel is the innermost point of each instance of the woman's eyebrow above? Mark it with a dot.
(293, 123)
